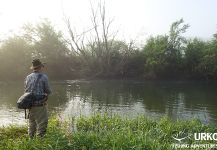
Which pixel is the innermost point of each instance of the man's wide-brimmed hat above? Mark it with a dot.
(36, 63)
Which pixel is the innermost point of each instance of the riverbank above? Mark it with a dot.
(106, 132)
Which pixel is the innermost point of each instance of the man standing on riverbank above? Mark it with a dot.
(38, 116)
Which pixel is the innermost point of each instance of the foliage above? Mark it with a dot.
(169, 56)
(14, 55)
(208, 65)
(49, 45)
(194, 55)
(155, 54)
(102, 131)
(164, 53)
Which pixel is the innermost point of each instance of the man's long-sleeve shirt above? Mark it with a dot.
(42, 86)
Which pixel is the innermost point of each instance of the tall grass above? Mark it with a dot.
(103, 132)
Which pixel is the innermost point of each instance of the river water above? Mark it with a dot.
(176, 99)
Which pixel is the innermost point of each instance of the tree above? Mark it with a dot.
(176, 40)
(175, 48)
(164, 54)
(15, 56)
(50, 46)
(208, 65)
(100, 51)
(194, 54)
(155, 56)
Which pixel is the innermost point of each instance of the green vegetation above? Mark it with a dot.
(101, 55)
(105, 132)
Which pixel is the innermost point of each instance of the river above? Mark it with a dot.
(176, 99)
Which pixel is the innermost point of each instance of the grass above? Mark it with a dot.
(104, 132)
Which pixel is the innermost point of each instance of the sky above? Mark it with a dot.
(134, 19)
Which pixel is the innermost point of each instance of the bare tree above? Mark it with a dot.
(96, 45)
(98, 40)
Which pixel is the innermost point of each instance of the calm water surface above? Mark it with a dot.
(178, 100)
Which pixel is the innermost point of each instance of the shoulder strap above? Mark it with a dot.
(36, 82)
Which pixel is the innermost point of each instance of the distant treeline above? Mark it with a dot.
(169, 56)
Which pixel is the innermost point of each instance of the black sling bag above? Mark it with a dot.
(26, 100)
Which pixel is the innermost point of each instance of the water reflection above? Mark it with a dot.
(178, 100)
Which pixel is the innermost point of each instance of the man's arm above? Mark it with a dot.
(25, 85)
(47, 88)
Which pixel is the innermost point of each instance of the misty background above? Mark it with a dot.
(109, 39)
